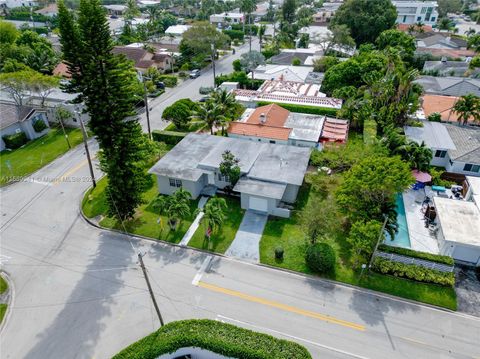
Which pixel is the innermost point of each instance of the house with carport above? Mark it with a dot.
(271, 174)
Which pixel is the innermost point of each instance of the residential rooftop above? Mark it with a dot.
(450, 85)
(11, 114)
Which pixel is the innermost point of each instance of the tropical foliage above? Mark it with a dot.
(175, 207)
(468, 108)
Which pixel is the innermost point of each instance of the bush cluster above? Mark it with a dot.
(369, 131)
(168, 80)
(39, 125)
(414, 254)
(15, 141)
(312, 110)
(168, 137)
(234, 34)
(221, 338)
(239, 27)
(413, 272)
(320, 257)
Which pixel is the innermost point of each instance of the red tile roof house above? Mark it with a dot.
(442, 105)
(274, 124)
(144, 59)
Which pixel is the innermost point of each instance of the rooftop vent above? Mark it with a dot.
(263, 118)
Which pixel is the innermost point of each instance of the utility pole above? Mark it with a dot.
(378, 242)
(145, 99)
(87, 152)
(213, 62)
(140, 259)
(60, 119)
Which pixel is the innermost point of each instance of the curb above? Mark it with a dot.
(285, 270)
(11, 299)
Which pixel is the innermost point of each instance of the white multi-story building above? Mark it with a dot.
(10, 4)
(226, 18)
(411, 12)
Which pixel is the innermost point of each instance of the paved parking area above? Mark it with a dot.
(247, 240)
(467, 286)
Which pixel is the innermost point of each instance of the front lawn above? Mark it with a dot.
(36, 154)
(3, 310)
(221, 240)
(146, 221)
(3, 285)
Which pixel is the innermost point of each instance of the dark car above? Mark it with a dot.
(160, 85)
(194, 74)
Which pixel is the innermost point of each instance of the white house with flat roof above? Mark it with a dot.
(226, 18)
(177, 30)
(411, 12)
(271, 174)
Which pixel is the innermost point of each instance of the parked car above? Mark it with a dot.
(204, 99)
(113, 17)
(160, 85)
(194, 74)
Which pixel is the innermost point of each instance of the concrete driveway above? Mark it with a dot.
(467, 287)
(247, 240)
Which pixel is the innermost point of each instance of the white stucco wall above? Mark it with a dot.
(193, 187)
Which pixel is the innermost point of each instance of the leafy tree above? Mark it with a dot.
(175, 207)
(237, 65)
(304, 16)
(180, 112)
(403, 42)
(228, 104)
(109, 87)
(131, 10)
(197, 41)
(320, 257)
(363, 237)
(214, 215)
(12, 65)
(40, 55)
(288, 11)
(319, 219)
(303, 41)
(475, 62)
(371, 184)
(251, 60)
(445, 24)
(449, 6)
(323, 63)
(8, 32)
(366, 19)
(468, 107)
(474, 42)
(229, 167)
(208, 115)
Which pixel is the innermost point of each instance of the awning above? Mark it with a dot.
(423, 177)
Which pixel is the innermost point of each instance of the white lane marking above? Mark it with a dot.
(202, 270)
(222, 318)
(4, 259)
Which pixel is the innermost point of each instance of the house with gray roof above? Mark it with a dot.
(271, 174)
(449, 86)
(449, 68)
(454, 147)
(15, 120)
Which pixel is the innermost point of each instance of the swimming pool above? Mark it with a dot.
(402, 239)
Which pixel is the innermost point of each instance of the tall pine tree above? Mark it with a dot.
(108, 85)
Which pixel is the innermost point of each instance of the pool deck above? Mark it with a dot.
(420, 237)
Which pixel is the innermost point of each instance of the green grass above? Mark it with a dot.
(36, 154)
(3, 285)
(288, 234)
(3, 310)
(220, 240)
(145, 222)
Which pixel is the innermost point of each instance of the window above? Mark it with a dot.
(175, 182)
(223, 178)
(419, 18)
(424, 10)
(440, 153)
(404, 18)
(432, 19)
(272, 141)
(471, 168)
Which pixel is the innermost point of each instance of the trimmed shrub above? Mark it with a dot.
(39, 125)
(15, 141)
(369, 131)
(413, 272)
(169, 137)
(312, 110)
(221, 338)
(434, 117)
(320, 257)
(234, 34)
(296, 61)
(414, 254)
(168, 80)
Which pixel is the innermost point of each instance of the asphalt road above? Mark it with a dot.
(79, 292)
(190, 87)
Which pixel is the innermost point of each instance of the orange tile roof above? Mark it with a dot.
(62, 70)
(276, 115)
(258, 130)
(404, 27)
(441, 104)
(447, 52)
(335, 130)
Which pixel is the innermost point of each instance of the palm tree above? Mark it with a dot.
(228, 104)
(444, 24)
(175, 207)
(208, 115)
(470, 32)
(214, 215)
(467, 107)
(247, 7)
(419, 155)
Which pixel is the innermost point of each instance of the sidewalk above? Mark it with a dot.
(196, 223)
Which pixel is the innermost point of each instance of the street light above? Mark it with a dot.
(145, 99)
(87, 152)
(212, 46)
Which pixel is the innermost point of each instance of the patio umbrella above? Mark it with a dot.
(422, 177)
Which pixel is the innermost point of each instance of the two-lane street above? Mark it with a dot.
(79, 292)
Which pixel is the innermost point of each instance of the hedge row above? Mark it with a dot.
(221, 338)
(169, 137)
(234, 34)
(413, 272)
(312, 110)
(414, 254)
(168, 80)
(15, 141)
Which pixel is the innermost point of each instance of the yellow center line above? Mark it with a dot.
(71, 171)
(281, 306)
